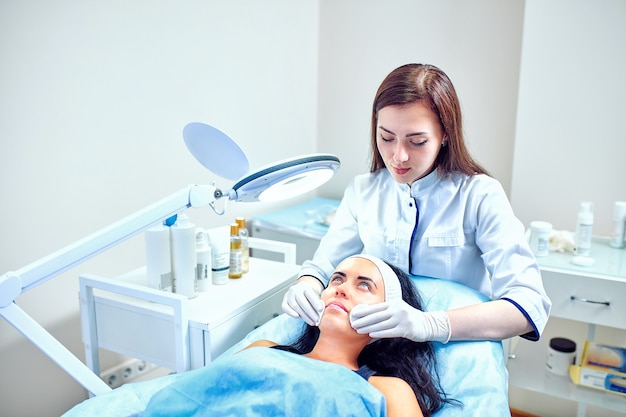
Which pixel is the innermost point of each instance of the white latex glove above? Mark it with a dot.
(302, 300)
(399, 319)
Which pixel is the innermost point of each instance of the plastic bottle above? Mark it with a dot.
(219, 241)
(184, 256)
(245, 246)
(158, 258)
(619, 224)
(204, 264)
(584, 229)
(236, 254)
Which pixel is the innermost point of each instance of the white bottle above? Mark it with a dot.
(184, 256)
(245, 245)
(158, 258)
(619, 224)
(220, 249)
(584, 229)
(203, 260)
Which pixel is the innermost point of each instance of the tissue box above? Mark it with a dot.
(602, 367)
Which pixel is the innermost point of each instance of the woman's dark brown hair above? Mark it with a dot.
(429, 85)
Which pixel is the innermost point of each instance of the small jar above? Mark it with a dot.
(561, 354)
(540, 237)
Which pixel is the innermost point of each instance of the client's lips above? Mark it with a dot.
(336, 304)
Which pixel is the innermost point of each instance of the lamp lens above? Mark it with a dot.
(297, 184)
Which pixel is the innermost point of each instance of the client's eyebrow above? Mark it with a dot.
(360, 277)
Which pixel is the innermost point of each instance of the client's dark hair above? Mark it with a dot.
(398, 357)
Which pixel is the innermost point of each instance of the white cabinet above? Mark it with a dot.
(595, 295)
(125, 316)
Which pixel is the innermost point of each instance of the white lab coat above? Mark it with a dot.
(460, 228)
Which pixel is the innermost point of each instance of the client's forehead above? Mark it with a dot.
(361, 267)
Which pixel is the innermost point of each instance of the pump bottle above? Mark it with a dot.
(584, 228)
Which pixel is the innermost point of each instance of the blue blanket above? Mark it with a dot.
(268, 382)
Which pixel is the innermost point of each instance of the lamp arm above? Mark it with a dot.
(12, 284)
(54, 264)
(55, 350)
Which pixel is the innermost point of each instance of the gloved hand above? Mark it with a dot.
(302, 300)
(399, 319)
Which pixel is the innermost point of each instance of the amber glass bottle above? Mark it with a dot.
(236, 254)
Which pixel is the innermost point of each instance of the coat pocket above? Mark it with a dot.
(446, 240)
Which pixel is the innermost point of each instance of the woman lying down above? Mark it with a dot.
(329, 370)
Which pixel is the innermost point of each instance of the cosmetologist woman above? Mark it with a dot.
(429, 208)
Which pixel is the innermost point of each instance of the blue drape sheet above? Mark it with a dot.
(268, 382)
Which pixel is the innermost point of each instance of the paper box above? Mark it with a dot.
(602, 367)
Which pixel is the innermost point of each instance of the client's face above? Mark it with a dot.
(355, 281)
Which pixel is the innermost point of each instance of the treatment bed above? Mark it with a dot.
(473, 373)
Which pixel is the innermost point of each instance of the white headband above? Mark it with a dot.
(393, 290)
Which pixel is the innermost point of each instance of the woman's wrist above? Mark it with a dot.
(314, 282)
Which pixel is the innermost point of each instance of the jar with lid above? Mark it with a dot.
(561, 354)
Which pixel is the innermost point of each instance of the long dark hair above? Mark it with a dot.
(398, 357)
(412, 83)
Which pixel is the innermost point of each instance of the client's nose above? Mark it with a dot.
(341, 290)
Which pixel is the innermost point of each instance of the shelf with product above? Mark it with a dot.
(594, 295)
(172, 330)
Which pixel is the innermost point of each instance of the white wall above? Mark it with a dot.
(476, 43)
(93, 99)
(570, 144)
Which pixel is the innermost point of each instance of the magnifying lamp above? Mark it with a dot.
(216, 152)
(278, 181)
